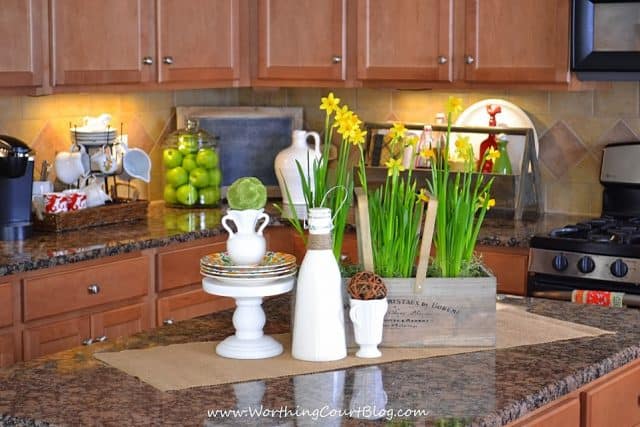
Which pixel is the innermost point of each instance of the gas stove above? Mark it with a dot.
(599, 254)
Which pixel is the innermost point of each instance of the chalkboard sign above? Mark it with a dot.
(248, 146)
(249, 138)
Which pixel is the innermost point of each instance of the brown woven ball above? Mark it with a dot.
(366, 285)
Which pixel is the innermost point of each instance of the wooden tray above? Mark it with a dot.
(120, 211)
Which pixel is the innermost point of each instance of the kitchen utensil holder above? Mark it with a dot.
(520, 194)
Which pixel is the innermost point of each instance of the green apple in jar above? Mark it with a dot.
(187, 144)
(199, 178)
(177, 176)
(171, 158)
(209, 196)
(170, 194)
(187, 195)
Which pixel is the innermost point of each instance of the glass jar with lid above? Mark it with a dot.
(192, 174)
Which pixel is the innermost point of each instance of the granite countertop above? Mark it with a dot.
(165, 226)
(485, 388)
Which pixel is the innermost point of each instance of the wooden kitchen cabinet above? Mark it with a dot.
(564, 412)
(190, 304)
(516, 41)
(125, 42)
(23, 43)
(121, 322)
(8, 349)
(180, 267)
(405, 40)
(55, 336)
(509, 265)
(6, 305)
(614, 400)
(302, 40)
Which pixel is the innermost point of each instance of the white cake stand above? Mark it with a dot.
(249, 341)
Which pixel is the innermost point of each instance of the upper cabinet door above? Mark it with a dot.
(519, 41)
(200, 40)
(21, 42)
(110, 42)
(405, 40)
(302, 39)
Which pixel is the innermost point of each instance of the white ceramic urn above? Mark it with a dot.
(287, 171)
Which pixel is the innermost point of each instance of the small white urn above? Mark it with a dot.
(368, 317)
(246, 245)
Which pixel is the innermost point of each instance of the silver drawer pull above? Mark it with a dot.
(93, 289)
(88, 341)
(168, 322)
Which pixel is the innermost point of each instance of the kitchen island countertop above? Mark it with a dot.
(165, 226)
(485, 388)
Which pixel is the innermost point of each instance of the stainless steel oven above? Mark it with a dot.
(598, 258)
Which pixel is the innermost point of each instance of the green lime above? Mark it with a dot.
(247, 193)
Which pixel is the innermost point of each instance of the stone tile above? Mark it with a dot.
(567, 104)
(347, 97)
(477, 96)
(11, 107)
(266, 97)
(620, 132)
(374, 105)
(161, 100)
(26, 130)
(529, 101)
(619, 101)
(586, 171)
(100, 103)
(574, 198)
(590, 130)
(154, 122)
(309, 100)
(414, 106)
(41, 107)
(134, 102)
(138, 136)
(53, 138)
(560, 149)
(74, 105)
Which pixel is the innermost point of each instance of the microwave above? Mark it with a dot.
(249, 138)
(605, 39)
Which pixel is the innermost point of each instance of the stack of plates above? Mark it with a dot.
(94, 137)
(274, 266)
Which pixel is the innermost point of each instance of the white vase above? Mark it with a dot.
(367, 317)
(246, 245)
(287, 172)
(318, 324)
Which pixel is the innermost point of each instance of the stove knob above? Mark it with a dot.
(560, 262)
(619, 268)
(586, 264)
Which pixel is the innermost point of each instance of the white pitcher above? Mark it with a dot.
(287, 170)
(246, 246)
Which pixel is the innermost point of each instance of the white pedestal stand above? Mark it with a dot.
(249, 342)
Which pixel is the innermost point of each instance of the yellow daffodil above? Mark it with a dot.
(423, 196)
(329, 103)
(411, 141)
(454, 105)
(493, 154)
(342, 113)
(397, 131)
(357, 136)
(491, 203)
(427, 153)
(464, 150)
(394, 166)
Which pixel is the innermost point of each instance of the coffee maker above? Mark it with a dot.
(16, 183)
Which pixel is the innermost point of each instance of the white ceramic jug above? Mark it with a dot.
(246, 246)
(287, 170)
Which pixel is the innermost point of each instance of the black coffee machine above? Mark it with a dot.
(16, 183)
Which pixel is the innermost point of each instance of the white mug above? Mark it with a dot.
(104, 161)
(71, 166)
(96, 196)
(136, 163)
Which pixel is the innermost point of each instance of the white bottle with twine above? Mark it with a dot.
(318, 325)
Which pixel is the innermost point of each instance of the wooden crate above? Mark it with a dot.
(112, 213)
(430, 311)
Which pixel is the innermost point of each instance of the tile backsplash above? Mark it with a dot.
(572, 126)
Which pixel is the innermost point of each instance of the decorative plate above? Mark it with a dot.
(272, 260)
(249, 280)
(218, 273)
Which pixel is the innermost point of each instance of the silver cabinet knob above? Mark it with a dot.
(168, 60)
(468, 59)
(147, 60)
(168, 322)
(442, 59)
(336, 59)
(93, 289)
(102, 338)
(88, 341)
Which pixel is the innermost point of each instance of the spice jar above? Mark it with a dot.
(192, 174)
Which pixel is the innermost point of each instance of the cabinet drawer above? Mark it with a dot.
(190, 304)
(121, 322)
(181, 267)
(614, 402)
(509, 265)
(7, 350)
(6, 305)
(565, 413)
(68, 291)
(55, 337)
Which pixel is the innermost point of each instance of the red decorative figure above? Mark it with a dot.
(490, 142)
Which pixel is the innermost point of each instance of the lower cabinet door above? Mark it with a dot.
(561, 414)
(614, 402)
(120, 322)
(190, 304)
(8, 349)
(55, 337)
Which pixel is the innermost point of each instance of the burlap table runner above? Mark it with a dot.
(180, 366)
